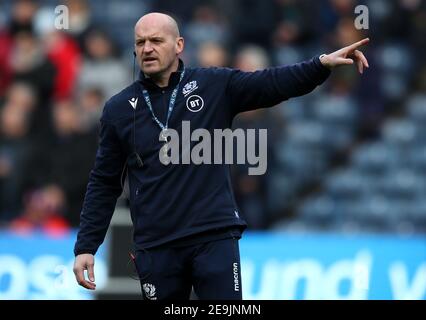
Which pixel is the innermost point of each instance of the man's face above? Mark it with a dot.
(156, 49)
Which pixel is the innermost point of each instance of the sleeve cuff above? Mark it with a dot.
(83, 251)
(324, 72)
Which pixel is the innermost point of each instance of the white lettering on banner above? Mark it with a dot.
(349, 270)
(47, 277)
(293, 273)
(282, 280)
(400, 283)
(40, 277)
(54, 280)
(61, 280)
(268, 277)
(43, 277)
(14, 268)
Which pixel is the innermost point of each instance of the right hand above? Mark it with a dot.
(83, 262)
(347, 55)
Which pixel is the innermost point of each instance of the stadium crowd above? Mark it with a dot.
(349, 156)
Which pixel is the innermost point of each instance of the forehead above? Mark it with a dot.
(148, 29)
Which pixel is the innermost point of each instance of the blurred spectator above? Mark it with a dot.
(23, 12)
(80, 22)
(254, 21)
(330, 12)
(182, 10)
(30, 64)
(91, 103)
(5, 68)
(403, 21)
(21, 20)
(14, 156)
(346, 33)
(69, 146)
(65, 55)
(64, 159)
(42, 212)
(101, 68)
(212, 55)
(251, 191)
(293, 39)
(251, 58)
(62, 51)
(21, 96)
(292, 27)
(206, 26)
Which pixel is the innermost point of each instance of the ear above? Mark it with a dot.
(180, 44)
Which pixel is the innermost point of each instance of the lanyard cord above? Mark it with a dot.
(171, 104)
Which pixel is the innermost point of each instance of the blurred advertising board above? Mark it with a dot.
(274, 266)
(37, 266)
(324, 266)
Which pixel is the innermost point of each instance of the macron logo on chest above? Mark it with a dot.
(133, 102)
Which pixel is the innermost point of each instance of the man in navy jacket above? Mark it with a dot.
(186, 221)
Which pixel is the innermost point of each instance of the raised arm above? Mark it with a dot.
(266, 88)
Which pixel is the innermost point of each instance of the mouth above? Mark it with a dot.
(149, 60)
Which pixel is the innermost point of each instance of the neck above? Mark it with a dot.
(162, 79)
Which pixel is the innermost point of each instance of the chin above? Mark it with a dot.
(151, 71)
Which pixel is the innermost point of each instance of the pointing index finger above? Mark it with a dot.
(359, 44)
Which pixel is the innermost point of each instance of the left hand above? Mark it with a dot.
(347, 55)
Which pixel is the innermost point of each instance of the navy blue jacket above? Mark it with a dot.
(169, 202)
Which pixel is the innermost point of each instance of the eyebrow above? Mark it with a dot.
(149, 37)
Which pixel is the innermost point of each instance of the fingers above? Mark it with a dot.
(88, 285)
(358, 44)
(91, 272)
(79, 268)
(341, 61)
(84, 283)
(361, 61)
(79, 275)
(361, 57)
(359, 65)
(349, 55)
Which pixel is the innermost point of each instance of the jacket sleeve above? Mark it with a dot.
(266, 88)
(103, 189)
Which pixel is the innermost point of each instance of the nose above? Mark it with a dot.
(147, 48)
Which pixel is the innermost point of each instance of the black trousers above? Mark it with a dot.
(211, 268)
